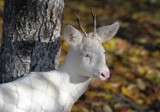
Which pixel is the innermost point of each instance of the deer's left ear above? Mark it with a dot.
(72, 35)
(107, 32)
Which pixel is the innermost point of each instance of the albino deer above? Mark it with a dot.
(58, 90)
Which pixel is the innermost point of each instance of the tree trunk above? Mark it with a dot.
(31, 37)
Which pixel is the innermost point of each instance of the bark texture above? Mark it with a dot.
(31, 37)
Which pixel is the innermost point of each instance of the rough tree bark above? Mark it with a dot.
(31, 37)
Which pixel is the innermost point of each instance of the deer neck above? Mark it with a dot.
(76, 83)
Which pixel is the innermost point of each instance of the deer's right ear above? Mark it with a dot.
(72, 35)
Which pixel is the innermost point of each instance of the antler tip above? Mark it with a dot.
(79, 23)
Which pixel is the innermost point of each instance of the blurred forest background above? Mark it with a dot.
(133, 55)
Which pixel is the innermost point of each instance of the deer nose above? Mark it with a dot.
(105, 74)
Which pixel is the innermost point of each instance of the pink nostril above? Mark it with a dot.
(102, 74)
(105, 75)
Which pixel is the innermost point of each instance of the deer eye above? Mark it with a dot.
(87, 55)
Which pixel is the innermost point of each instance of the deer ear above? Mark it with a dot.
(72, 35)
(107, 32)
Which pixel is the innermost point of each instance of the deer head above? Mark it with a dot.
(87, 55)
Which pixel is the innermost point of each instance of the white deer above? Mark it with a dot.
(58, 90)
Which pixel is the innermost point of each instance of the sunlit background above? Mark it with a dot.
(133, 55)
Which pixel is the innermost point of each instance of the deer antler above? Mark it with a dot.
(79, 23)
(94, 21)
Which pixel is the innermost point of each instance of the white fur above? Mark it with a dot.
(57, 91)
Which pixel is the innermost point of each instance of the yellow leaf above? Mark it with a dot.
(108, 96)
(110, 46)
(107, 86)
(91, 94)
(126, 92)
(141, 85)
